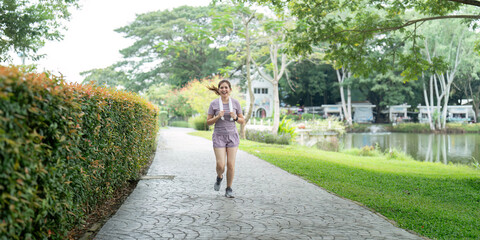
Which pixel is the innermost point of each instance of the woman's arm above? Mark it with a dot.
(241, 119)
(213, 119)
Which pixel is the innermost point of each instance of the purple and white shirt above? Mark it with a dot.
(224, 127)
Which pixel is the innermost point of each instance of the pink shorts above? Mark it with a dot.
(225, 141)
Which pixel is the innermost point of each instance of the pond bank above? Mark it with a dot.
(414, 128)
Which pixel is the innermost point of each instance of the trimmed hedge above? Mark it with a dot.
(268, 137)
(65, 148)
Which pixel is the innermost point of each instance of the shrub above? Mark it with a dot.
(463, 128)
(200, 123)
(163, 118)
(358, 128)
(179, 123)
(368, 151)
(267, 137)
(311, 116)
(397, 155)
(64, 149)
(326, 125)
(291, 116)
(285, 127)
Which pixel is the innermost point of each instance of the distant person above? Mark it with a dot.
(224, 112)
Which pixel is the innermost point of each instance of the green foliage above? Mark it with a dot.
(163, 118)
(397, 155)
(286, 127)
(463, 128)
(412, 128)
(291, 117)
(389, 88)
(108, 77)
(158, 94)
(325, 125)
(176, 102)
(65, 148)
(268, 137)
(198, 96)
(311, 84)
(182, 124)
(354, 29)
(367, 151)
(177, 42)
(27, 25)
(356, 127)
(311, 116)
(200, 123)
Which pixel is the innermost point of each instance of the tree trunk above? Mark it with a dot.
(347, 107)
(249, 79)
(427, 104)
(276, 108)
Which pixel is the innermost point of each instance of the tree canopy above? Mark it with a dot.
(26, 25)
(173, 46)
(353, 28)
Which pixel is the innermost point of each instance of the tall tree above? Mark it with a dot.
(312, 84)
(108, 76)
(452, 50)
(468, 87)
(353, 25)
(26, 25)
(239, 20)
(276, 64)
(172, 46)
(387, 89)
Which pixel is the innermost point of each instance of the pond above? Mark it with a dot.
(444, 148)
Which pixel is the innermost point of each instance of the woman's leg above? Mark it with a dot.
(231, 156)
(220, 154)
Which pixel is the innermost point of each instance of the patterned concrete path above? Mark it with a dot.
(176, 200)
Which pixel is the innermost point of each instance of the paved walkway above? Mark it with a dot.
(178, 202)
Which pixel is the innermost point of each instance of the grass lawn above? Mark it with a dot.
(435, 200)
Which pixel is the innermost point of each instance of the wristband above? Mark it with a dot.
(236, 119)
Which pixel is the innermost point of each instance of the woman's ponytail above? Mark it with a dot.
(216, 89)
(213, 89)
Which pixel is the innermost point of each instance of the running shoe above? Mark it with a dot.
(229, 192)
(217, 184)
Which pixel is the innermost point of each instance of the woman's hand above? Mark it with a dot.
(233, 115)
(221, 113)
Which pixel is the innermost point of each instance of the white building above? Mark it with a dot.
(333, 110)
(460, 113)
(263, 92)
(363, 112)
(423, 112)
(398, 113)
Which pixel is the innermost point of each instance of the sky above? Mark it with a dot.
(91, 42)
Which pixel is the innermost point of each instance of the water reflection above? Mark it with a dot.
(444, 148)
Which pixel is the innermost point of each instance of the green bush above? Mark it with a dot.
(412, 127)
(367, 151)
(398, 155)
(163, 118)
(463, 128)
(291, 116)
(286, 127)
(199, 123)
(311, 116)
(178, 123)
(64, 149)
(268, 137)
